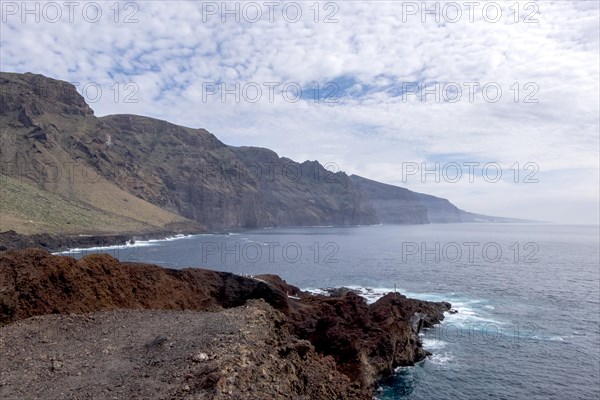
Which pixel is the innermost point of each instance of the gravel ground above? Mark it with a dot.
(115, 355)
(238, 353)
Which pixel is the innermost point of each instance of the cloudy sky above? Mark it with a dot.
(381, 89)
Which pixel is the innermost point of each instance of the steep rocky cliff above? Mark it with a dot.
(393, 204)
(397, 205)
(63, 170)
(196, 175)
(50, 147)
(149, 172)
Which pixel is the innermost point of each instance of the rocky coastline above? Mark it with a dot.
(55, 242)
(193, 333)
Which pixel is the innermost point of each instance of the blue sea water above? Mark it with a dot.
(527, 295)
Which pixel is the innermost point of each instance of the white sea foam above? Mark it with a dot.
(370, 294)
(433, 344)
(248, 240)
(441, 358)
(128, 245)
(555, 338)
(103, 248)
(471, 312)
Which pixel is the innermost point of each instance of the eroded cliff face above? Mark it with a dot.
(51, 145)
(23, 93)
(393, 204)
(439, 210)
(131, 173)
(52, 141)
(396, 205)
(362, 342)
(196, 175)
(367, 341)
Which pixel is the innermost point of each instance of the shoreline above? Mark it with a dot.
(63, 243)
(341, 335)
(59, 243)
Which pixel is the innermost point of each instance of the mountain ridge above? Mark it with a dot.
(144, 174)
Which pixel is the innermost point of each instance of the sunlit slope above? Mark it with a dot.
(27, 209)
(46, 144)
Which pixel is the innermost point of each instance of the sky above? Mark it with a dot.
(493, 105)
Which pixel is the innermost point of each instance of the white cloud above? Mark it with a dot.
(171, 51)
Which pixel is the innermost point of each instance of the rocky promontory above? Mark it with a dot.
(100, 328)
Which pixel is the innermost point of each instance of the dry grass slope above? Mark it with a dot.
(27, 209)
(50, 181)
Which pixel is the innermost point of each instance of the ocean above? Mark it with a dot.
(527, 295)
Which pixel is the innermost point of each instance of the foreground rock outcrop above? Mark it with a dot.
(299, 345)
(244, 352)
(34, 282)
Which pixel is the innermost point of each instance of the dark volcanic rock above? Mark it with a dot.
(199, 177)
(32, 95)
(280, 284)
(367, 341)
(363, 342)
(11, 240)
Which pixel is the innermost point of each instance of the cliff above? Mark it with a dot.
(397, 205)
(199, 177)
(346, 339)
(50, 146)
(393, 204)
(65, 171)
(133, 173)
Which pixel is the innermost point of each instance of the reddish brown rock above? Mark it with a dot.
(364, 342)
(34, 282)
